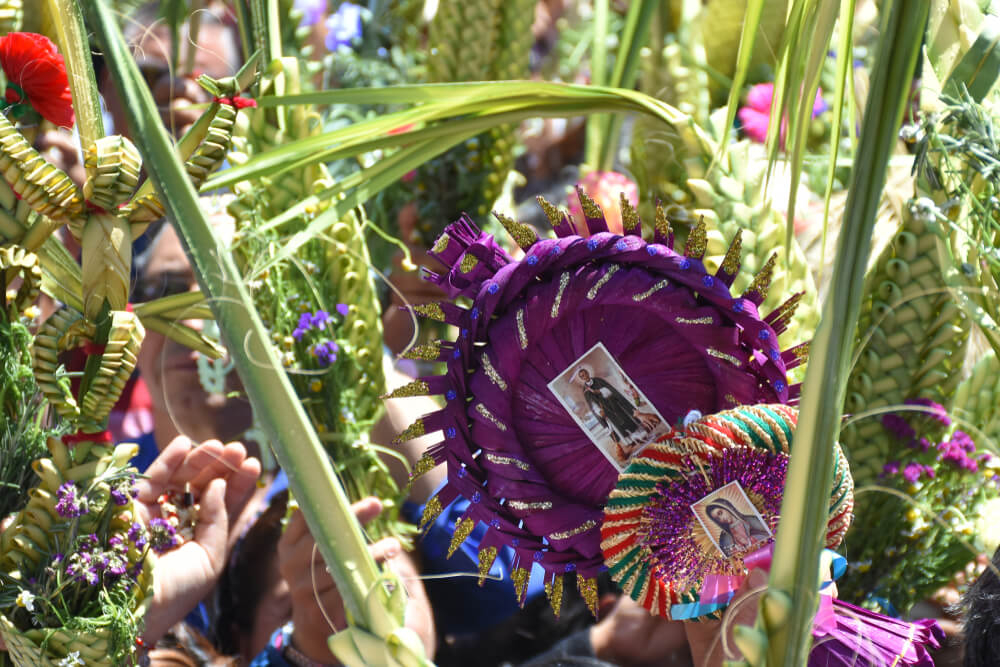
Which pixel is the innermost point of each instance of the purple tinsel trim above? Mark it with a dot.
(672, 526)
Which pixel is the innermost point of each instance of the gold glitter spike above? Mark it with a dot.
(554, 591)
(563, 282)
(414, 430)
(522, 506)
(708, 319)
(415, 388)
(642, 296)
(431, 511)
(631, 224)
(491, 372)
(588, 591)
(523, 235)
(786, 311)
(469, 262)
(424, 464)
(762, 281)
(554, 215)
(429, 352)
(506, 461)
(462, 530)
(731, 263)
(520, 578)
(522, 334)
(602, 281)
(589, 206)
(482, 409)
(431, 311)
(718, 354)
(441, 244)
(486, 558)
(697, 240)
(662, 225)
(582, 528)
(801, 352)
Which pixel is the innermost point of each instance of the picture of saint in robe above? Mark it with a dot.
(612, 410)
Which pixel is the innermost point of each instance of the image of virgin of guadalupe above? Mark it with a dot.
(739, 532)
(612, 410)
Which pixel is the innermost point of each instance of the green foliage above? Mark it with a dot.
(22, 432)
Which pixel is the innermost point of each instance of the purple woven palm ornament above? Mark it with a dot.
(568, 361)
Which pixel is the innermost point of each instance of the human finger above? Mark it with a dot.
(164, 468)
(211, 459)
(212, 528)
(241, 485)
(385, 549)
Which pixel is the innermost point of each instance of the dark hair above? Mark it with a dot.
(982, 619)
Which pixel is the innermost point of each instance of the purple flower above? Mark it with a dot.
(912, 472)
(68, 504)
(320, 319)
(312, 11)
(343, 309)
(344, 26)
(957, 452)
(937, 412)
(137, 536)
(326, 352)
(890, 468)
(124, 490)
(898, 426)
(162, 535)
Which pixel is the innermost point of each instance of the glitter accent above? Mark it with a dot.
(602, 281)
(451, 395)
(429, 352)
(697, 241)
(491, 372)
(630, 216)
(431, 310)
(592, 244)
(718, 354)
(730, 399)
(762, 281)
(779, 386)
(522, 335)
(520, 578)
(486, 558)
(685, 264)
(441, 244)
(801, 352)
(731, 262)
(582, 528)
(481, 409)
(506, 461)
(431, 511)
(532, 260)
(662, 225)
(563, 281)
(642, 296)
(493, 288)
(589, 206)
(708, 319)
(415, 388)
(621, 245)
(707, 280)
(522, 506)
(554, 215)
(523, 235)
(414, 430)
(737, 306)
(462, 530)
(774, 355)
(424, 464)
(554, 591)
(786, 311)
(469, 262)
(588, 591)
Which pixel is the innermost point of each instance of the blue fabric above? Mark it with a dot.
(269, 657)
(460, 605)
(148, 451)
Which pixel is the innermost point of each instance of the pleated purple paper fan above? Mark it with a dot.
(568, 361)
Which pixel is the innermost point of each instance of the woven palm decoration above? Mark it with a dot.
(526, 464)
(654, 544)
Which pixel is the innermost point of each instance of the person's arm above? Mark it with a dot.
(222, 479)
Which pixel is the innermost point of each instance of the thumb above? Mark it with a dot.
(212, 529)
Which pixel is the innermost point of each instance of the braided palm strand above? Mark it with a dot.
(912, 337)
(65, 329)
(18, 262)
(46, 188)
(117, 363)
(11, 15)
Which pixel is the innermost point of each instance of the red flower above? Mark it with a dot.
(36, 75)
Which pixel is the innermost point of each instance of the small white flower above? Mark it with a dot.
(26, 599)
(72, 660)
(987, 525)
